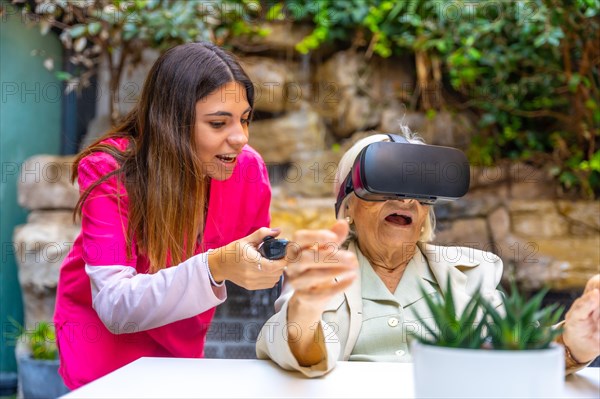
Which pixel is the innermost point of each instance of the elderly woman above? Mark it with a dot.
(360, 305)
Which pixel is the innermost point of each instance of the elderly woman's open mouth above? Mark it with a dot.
(399, 218)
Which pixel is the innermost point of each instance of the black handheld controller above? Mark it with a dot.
(273, 248)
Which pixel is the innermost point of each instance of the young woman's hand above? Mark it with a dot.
(241, 263)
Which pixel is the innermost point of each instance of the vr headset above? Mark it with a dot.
(398, 170)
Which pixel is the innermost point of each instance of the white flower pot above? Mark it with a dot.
(465, 373)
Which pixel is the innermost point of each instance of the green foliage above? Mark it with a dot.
(529, 69)
(41, 341)
(521, 324)
(118, 31)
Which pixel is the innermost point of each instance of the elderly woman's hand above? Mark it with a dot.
(318, 267)
(582, 323)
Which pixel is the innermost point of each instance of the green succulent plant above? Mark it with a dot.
(525, 324)
(451, 330)
(519, 324)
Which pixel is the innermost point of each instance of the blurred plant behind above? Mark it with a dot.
(40, 341)
(527, 69)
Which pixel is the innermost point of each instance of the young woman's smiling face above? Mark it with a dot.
(222, 120)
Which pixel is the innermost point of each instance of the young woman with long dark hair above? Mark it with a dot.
(173, 203)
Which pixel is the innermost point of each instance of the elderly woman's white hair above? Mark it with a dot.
(345, 165)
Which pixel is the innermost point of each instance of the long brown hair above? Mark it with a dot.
(161, 170)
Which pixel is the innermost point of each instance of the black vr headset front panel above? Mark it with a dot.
(392, 170)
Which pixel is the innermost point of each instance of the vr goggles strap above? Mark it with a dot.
(347, 187)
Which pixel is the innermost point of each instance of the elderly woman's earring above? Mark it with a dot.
(349, 220)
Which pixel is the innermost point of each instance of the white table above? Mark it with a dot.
(228, 378)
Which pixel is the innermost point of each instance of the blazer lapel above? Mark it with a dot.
(444, 263)
(354, 299)
(415, 281)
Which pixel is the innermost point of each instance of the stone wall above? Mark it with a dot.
(42, 243)
(510, 211)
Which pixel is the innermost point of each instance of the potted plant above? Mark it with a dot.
(489, 352)
(38, 364)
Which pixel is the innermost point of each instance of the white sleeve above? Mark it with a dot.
(121, 296)
(272, 342)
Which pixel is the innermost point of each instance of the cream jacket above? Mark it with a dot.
(467, 268)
